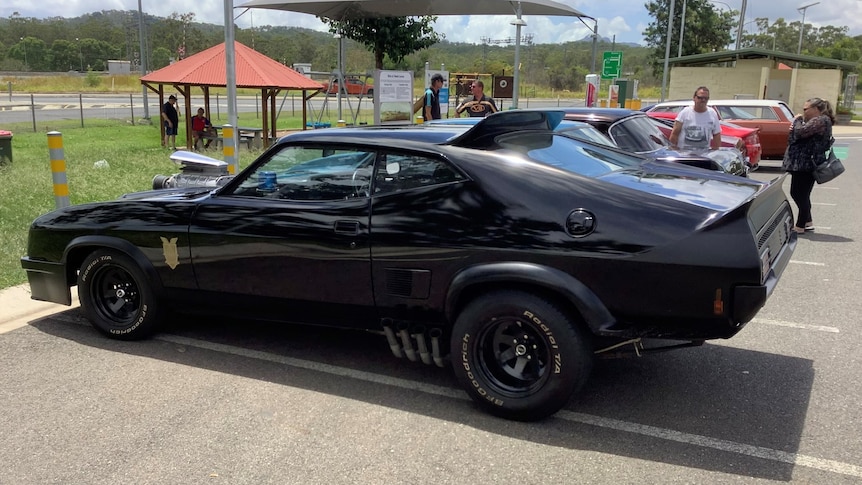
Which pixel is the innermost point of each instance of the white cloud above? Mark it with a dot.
(628, 22)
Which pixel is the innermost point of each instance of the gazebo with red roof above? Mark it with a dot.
(253, 70)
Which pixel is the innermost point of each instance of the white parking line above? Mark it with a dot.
(598, 421)
(809, 263)
(823, 203)
(723, 445)
(804, 326)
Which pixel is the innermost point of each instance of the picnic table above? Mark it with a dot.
(256, 135)
(251, 136)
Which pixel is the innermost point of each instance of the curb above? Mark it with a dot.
(17, 305)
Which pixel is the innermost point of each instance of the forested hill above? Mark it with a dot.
(89, 41)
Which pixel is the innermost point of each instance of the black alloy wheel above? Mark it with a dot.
(116, 296)
(518, 355)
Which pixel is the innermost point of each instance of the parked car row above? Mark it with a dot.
(772, 117)
(637, 133)
(513, 250)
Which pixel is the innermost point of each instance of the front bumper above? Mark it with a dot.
(47, 281)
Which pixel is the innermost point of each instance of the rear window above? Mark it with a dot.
(747, 113)
(568, 154)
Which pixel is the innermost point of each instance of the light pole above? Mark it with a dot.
(667, 49)
(143, 64)
(741, 23)
(681, 28)
(518, 23)
(802, 10)
(24, 46)
(80, 54)
(742, 30)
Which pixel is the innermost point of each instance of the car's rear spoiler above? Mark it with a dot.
(502, 122)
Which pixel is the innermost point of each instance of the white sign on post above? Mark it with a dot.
(393, 97)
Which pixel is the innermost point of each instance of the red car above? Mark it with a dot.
(354, 86)
(750, 136)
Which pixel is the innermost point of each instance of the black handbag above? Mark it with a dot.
(829, 169)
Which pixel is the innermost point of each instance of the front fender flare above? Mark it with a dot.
(76, 245)
(592, 310)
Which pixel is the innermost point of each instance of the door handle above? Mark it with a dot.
(347, 228)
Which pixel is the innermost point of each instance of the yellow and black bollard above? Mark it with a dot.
(58, 169)
(229, 149)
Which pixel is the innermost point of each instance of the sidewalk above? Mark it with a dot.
(17, 308)
(854, 128)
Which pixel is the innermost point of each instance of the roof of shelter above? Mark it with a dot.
(253, 70)
(756, 53)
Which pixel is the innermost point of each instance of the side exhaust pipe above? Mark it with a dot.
(435, 335)
(409, 351)
(390, 337)
(419, 335)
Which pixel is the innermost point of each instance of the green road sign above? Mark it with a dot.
(612, 64)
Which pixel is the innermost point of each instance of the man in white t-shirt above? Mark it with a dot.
(697, 127)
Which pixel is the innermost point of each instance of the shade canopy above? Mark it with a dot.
(357, 9)
(206, 69)
(352, 9)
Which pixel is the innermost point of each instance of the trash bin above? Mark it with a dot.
(5, 147)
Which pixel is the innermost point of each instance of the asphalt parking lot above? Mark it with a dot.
(241, 402)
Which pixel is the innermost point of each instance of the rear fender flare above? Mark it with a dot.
(590, 307)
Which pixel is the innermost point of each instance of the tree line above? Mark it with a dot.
(87, 42)
(708, 27)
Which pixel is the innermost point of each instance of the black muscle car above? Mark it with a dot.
(511, 251)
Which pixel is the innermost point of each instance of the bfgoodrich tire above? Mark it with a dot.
(518, 355)
(116, 296)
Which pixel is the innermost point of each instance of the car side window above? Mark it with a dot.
(787, 112)
(311, 173)
(397, 172)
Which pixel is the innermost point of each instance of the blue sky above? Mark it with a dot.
(623, 19)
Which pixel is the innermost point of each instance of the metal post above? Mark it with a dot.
(143, 60)
(33, 112)
(802, 9)
(230, 76)
(682, 29)
(516, 85)
(595, 41)
(132, 106)
(58, 169)
(340, 74)
(667, 50)
(228, 143)
(81, 108)
(741, 24)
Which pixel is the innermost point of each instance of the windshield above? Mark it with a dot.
(568, 154)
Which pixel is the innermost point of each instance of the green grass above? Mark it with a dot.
(134, 155)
